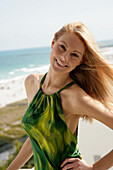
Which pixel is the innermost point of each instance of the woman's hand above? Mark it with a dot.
(75, 163)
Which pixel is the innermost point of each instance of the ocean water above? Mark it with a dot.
(17, 63)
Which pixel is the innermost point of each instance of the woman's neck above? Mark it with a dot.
(56, 80)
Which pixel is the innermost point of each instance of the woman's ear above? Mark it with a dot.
(53, 42)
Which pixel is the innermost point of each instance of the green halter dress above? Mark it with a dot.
(51, 139)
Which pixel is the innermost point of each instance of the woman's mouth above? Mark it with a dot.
(59, 63)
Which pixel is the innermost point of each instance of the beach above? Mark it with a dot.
(12, 91)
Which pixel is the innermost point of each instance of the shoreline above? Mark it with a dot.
(12, 91)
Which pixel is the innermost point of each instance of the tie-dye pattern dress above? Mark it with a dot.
(45, 124)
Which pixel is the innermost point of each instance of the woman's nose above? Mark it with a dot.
(65, 57)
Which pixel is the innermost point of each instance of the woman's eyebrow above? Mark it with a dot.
(64, 43)
(77, 52)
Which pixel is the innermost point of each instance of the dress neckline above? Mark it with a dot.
(57, 92)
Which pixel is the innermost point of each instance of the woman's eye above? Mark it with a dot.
(63, 47)
(75, 55)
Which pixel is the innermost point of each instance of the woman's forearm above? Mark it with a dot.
(105, 163)
(23, 156)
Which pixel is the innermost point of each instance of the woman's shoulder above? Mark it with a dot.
(32, 79)
(73, 98)
(83, 104)
(79, 96)
(76, 92)
(78, 99)
(32, 84)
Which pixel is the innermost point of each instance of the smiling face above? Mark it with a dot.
(67, 53)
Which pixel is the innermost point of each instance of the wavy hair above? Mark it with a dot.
(94, 75)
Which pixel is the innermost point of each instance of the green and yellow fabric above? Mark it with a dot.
(51, 139)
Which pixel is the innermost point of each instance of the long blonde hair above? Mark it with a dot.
(94, 75)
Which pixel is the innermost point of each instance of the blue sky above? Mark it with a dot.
(32, 23)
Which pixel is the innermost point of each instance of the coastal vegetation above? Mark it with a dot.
(12, 135)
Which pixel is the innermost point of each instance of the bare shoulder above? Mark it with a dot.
(33, 79)
(84, 104)
(78, 95)
(82, 101)
(32, 84)
(73, 98)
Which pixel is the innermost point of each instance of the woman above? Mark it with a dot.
(77, 85)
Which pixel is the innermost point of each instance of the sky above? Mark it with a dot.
(32, 23)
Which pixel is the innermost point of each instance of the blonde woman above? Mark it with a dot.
(77, 85)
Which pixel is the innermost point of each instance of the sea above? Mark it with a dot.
(17, 63)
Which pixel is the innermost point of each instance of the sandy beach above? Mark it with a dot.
(11, 91)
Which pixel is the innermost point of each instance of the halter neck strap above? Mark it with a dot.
(64, 87)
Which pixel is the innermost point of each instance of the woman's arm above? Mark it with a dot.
(82, 105)
(75, 163)
(105, 163)
(31, 85)
(94, 109)
(98, 111)
(23, 156)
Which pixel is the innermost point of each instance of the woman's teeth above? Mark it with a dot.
(61, 64)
